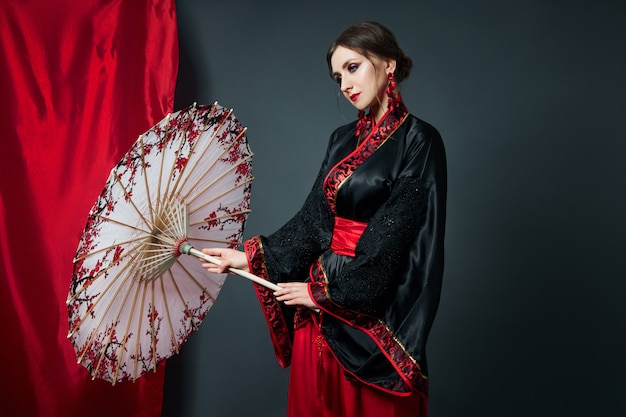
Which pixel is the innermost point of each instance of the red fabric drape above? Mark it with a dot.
(79, 81)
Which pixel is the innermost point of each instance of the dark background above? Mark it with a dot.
(529, 97)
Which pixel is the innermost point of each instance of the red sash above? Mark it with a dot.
(345, 235)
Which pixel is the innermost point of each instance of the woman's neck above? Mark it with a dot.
(378, 112)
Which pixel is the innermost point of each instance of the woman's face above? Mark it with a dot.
(362, 80)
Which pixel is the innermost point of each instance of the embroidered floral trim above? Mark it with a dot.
(373, 139)
(279, 332)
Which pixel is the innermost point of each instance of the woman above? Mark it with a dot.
(360, 265)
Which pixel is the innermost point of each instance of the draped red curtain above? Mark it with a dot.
(79, 81)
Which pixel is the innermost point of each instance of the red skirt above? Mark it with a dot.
(319, 388)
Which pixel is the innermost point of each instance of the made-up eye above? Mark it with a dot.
(353, 67)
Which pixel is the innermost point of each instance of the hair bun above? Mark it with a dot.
(404, 63)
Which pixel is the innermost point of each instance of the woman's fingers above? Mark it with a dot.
(217, 252)
(228, 258)
(294, 293)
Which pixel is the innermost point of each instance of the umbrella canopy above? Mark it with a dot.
(134, 300)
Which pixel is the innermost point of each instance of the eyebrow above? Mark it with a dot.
(345, 64)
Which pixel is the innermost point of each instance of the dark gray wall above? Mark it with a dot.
(529, 96)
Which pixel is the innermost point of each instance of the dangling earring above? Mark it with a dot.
(391, 91)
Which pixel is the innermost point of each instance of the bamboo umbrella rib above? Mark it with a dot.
(218, 196)
(152, 329)
(120, 223)
(206, 203)
(163, 253)
(164, 141)
(214, 109)
(164, 237)
(99, 297)
(184, 302)
(106, 248)
(113, 327)
(145, 176)
(168, 315)
(191, 117)
(161, 242)
(164, 245)
(176, 219)
(228, 242)
(149, 269)
(205, 169)
(193, 187)
(167, 217)
(220, 217)
(192, 150)
(208, 143)
(130, 252)
(182, 140)
(137, 351)
(94, 372)
(146, 233)
(165, 223)
(87, 344)
(200, 286)
(236, 140)
(102, 315)
(183, 219)
(130, 199)
(164, 248)
(178, 152)
(125, 339)
(215, 181)
(153, 266)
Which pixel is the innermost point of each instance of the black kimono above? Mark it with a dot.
(377, 299)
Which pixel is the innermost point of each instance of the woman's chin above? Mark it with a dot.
(358, 106)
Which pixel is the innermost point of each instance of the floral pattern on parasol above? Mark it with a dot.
(134, 300)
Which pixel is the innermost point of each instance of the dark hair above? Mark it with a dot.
(371, 38)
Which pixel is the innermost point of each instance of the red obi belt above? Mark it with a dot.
(345, 235)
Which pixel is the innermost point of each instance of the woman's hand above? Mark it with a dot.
(295, 293)
(230, 258)
(291, 293)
